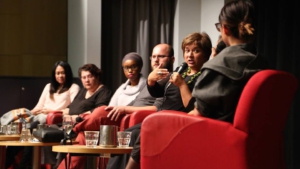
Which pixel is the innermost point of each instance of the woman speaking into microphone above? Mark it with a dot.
(196, 49)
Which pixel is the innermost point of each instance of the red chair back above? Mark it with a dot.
(262, 113)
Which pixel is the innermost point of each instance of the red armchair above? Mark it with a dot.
(54, 117)
(171, 139)
(137, 117)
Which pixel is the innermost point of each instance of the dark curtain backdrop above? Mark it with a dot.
(133, 26)
(278, 39)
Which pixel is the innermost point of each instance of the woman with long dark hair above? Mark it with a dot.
(57, 95)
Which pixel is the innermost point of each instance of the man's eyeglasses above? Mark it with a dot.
(133, 68)
(218, 26)
(157, 56)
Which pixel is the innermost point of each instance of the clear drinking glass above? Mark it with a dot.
(13, 129)
(67, 123)
(16, 127)
(123, 138)
(91, 138)
(25, 135)
(3, 129)
(32, 138)
(10, 129)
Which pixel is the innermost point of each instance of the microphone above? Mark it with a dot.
(181, 68)
(220, 46)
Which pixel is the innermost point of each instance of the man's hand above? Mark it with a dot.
(156, 75)
(115, 112)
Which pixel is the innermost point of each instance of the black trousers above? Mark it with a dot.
(12, 152)
(26, 158)
(120, 161)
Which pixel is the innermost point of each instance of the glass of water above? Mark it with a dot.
(123, 138)
(3, 129)
(25, 135)
(91, 138)
(67, 123)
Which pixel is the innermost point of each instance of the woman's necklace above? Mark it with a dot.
(193, 77)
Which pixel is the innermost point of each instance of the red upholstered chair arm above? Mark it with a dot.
(171, 139)
(125, 122)
(54, 117)
(138, 116)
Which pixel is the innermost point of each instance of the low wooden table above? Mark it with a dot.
(36, 160)
(82, 149)
(9, 137)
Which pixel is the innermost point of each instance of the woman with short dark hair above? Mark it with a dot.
(93, 94)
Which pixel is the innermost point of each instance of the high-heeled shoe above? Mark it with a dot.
(72, 134)
(66, 139)
(69, 135)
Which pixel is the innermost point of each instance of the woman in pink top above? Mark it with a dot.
(58, 94)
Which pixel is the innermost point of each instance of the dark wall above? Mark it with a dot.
(33, 36)
(20, 92)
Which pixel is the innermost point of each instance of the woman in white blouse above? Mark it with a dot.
(132, 65)
(58, 94)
